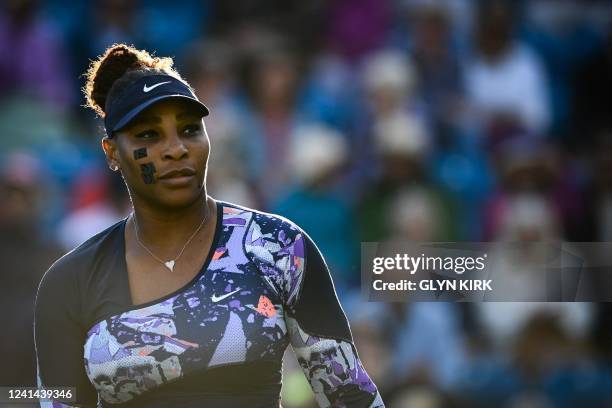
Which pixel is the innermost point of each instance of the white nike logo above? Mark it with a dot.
(215, 298)
(148, 88)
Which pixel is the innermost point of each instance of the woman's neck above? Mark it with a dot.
(165, 229)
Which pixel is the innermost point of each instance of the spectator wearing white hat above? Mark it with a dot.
(318, 156)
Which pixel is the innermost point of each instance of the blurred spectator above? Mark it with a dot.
(537, 336)
(32, 56)
(505, 83)
(463, 168)
(274, 115)
(564, 38)
(418, 397)
(529, 219)
(163, 26)
(544, 369)
(390, 79)
(428, 338)
(416, 216)
(113, 21)
(300, 22)
(544, 345)
(356, 27)
(401, 145)
(523, 168)
(460, 15)
(438, 65)
(392, 117)
(210, 67)
(99, 201)
(26, 123)
(430, 346)
(317, 155)
(526, 165)
(331, 90)
(25, 256)
(375, 326)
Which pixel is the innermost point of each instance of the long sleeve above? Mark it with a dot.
(320, 335)
(59, 338)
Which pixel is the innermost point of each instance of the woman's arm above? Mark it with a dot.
(320, 333)
(333, 370)
(59, 338)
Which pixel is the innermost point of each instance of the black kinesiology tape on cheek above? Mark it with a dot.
(140, 153)
(147, 171)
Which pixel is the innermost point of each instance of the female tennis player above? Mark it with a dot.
(188, 302)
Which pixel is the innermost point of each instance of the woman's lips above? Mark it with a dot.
(185, 171)
(177, 181)
(177, 177)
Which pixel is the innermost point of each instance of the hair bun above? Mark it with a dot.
(112, 65)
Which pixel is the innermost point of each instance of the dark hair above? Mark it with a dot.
(117, 68)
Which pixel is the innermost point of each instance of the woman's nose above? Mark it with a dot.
(175, 147)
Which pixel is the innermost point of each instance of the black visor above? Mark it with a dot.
(142, 94)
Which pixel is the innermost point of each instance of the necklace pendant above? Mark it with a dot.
(170, 265)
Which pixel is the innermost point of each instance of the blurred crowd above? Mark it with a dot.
(360, 120)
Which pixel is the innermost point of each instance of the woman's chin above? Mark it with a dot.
(178, 182)
(178, 197)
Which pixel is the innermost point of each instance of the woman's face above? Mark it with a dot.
(163, 155)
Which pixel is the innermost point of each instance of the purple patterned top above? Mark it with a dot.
(218, 341)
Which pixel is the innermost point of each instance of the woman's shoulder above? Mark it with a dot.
(267, 236)
(76, 263)
(264, 221)
(274, 243)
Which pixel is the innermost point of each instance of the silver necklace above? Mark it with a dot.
(170, 264)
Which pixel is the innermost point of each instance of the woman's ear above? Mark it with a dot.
(110, 150)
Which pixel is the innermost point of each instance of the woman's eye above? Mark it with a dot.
(192, 130)
(147, 134)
